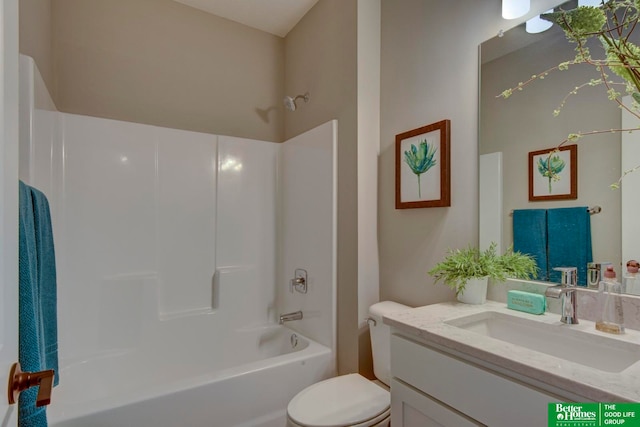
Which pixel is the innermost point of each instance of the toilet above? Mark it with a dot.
(351, 400)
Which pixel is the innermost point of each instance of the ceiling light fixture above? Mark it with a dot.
(594, 3)
(512, 9)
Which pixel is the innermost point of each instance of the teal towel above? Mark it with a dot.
(530, 236)
(37, 323)
(569, 241)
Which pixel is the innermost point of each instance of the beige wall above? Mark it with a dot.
(163, 63)
(35, 37)
(321, 58)
(429, 73)
(368, 151)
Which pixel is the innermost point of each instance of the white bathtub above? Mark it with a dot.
(245, 378)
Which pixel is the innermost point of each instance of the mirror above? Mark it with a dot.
(525, 123)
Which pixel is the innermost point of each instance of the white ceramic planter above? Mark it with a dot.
(475, 291)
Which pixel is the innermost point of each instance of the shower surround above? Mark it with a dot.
(174, 252)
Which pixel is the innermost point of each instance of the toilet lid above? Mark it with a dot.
(340, 401)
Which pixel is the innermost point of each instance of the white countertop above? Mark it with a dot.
(427, 324)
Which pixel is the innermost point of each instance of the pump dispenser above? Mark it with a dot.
(631, 279)
(610, 318)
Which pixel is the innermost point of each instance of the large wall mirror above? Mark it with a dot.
(525, 123)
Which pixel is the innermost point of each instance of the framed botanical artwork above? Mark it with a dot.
(423, 167)
(553, 174)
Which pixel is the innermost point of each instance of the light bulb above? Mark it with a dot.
(512, 9)
(596, 3)
(538, 25)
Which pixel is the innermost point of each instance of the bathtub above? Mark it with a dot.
(245, 378)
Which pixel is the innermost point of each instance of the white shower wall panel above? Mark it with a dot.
(109, 196)
(186, 215)
(246, 202)
(42, 155)
(246, 231)
(308, 229)
(152, 224)
(107, 223)
(134, 213)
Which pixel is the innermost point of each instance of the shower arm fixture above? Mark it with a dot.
(290, 102)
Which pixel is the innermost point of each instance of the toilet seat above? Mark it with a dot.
(347, 400)
(382, 420)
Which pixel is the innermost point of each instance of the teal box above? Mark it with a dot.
(527, 302)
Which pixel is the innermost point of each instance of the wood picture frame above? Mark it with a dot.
(423, 167)
(553, 174)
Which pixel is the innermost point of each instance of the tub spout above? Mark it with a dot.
(287, 317)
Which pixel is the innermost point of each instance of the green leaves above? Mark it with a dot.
(623, 58)
(579, 23)
(460, 265)
(420, 159)
(551, 166)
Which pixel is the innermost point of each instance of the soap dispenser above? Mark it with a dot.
(610, 318)
(631, 279)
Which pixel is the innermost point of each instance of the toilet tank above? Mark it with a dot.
(381, 338)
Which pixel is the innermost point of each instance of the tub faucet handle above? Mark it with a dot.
(299, 281)
(20, 381)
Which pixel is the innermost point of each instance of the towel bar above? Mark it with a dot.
(594, 210)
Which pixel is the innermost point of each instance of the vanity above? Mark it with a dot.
(456, 364)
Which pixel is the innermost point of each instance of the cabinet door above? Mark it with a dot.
(478, 393)
(411, 408)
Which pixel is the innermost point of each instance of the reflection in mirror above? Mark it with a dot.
(525, 123)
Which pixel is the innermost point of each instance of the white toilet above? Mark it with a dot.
(351, 400)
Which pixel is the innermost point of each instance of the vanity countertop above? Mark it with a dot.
(427, 324)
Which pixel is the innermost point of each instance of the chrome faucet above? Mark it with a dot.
(567, 290)
(287, 317)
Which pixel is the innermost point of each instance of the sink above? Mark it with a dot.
(562, 341)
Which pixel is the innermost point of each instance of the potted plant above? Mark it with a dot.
(467, 271)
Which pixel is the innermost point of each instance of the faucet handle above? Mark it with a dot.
(569, 275)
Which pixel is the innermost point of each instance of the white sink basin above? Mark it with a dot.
(562, 341)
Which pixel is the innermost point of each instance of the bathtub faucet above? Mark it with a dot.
(287, 317)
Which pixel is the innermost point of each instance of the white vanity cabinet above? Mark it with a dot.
(431, 387)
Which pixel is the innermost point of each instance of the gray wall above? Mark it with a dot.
(429, 73)
(35, 36)
(321, 58)
(163, 63)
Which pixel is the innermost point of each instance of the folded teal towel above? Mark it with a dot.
(569, 241)
(530, 236)
(37, 323)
